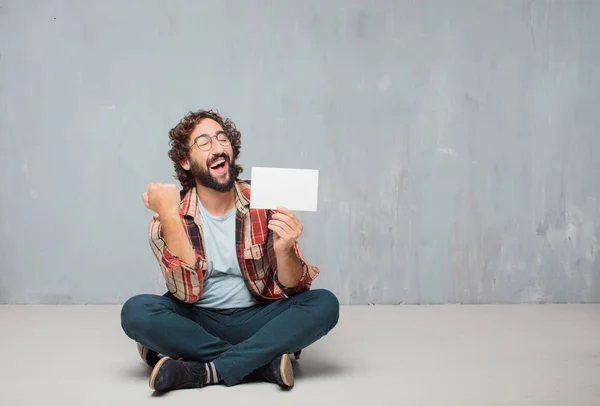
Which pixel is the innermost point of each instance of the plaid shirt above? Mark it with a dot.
(254, 248)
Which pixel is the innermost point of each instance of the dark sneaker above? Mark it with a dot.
(150, 357)
(280, 371)
(171, 374)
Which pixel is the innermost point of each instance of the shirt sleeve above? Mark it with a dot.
(183, 281)
(309, 273)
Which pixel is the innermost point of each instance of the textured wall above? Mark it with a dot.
(457, 140)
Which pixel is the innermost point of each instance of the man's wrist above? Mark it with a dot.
(287, 252)
(170, 215)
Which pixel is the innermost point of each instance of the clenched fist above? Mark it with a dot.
(163, 199)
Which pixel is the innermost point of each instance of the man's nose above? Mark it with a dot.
(215, 146)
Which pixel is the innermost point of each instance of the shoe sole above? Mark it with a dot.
(155, 371)
(286, 370)
(143, 351)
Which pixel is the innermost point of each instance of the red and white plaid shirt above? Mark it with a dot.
(254, 248)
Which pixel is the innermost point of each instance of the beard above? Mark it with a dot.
(203, 176)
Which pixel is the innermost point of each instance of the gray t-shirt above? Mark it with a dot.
(224, 286)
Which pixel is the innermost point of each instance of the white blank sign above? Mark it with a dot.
(296, 189)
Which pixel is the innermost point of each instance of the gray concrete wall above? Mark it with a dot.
(457, 141)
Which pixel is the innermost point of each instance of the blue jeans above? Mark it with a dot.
(237, 341)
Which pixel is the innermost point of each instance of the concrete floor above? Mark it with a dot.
(379, 355)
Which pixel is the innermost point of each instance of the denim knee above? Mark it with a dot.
(328, 307)
(135, 314)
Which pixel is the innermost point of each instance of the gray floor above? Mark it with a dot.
(411, 355)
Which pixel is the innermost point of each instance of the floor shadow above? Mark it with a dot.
(317, 367)
(137, 371)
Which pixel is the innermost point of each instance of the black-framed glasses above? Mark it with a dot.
(204, 142)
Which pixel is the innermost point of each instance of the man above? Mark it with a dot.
(239, 298)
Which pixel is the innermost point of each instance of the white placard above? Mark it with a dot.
(295, 189)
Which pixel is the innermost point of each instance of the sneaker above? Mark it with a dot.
(280, 371)
(150, 357)
(170, 374)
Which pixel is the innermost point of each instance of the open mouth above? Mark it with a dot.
(219, 165)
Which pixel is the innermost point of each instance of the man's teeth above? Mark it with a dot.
(217, 162)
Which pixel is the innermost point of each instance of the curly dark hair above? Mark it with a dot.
(179, 141)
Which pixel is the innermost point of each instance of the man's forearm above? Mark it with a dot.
(176, 239)
(289, 268)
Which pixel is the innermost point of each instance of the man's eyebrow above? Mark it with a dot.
(207, 135)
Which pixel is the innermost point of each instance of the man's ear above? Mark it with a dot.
(185, 164)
